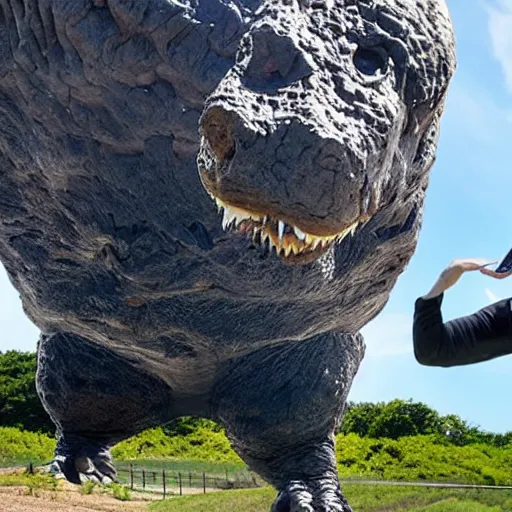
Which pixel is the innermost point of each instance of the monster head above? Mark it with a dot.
(313, 123)
(329, 117)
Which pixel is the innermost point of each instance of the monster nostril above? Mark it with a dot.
(216, 127)
(276, 61)
(330, 157)
(271, 66)
(330, 163)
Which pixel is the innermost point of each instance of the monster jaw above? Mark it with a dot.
(289, 242)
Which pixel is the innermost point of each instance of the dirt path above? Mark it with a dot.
(15, 499)
(68, 499)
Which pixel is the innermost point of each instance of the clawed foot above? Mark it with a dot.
(76, 470)
(80, 460)
(317, 496)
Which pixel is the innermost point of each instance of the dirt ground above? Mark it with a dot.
(68, 499)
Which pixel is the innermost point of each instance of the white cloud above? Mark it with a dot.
(491, 296)
(500, 28)
(388, 335)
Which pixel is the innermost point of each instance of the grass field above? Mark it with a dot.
(363, 498)
(185, 466)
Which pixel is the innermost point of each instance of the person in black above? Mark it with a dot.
(478, 337)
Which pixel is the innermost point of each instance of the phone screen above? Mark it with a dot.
(505, 265)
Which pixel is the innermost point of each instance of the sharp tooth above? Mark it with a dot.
(219, 203)
(224, 220)
(310, 239)
(288, 250)
(264, 236)
(298, 233)
(341, 236)
(229, 217)
(315, 243)
(280, 230)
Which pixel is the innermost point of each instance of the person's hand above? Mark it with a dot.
(456, 268)
(452, 273)
(470, 264)
(496, 275)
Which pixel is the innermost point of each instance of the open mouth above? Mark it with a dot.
(288, 241)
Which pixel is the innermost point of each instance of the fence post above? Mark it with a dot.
(204, 483)
(179, 480)
(30, 468)
(164, 482)
(143, 479)
(131, 477)
(190, 479)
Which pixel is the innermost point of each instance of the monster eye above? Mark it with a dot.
(371, 61)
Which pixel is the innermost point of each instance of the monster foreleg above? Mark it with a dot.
(96, 399)
(281, 405)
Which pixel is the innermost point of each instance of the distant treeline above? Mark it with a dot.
(20, 407)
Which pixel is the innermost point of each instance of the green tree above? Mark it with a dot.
(400, 418)
(502, 440)
(20, 405)
(188, 425)
(360, 417)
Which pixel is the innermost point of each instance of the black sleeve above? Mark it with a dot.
(481, 336)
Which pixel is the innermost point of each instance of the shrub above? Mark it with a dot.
(20, 446)
(120, 492)
(87, 487)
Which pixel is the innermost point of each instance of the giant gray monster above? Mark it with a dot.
(125, 125)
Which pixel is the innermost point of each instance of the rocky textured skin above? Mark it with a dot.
(118, 118)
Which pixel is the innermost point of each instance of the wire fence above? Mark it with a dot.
(168, 482)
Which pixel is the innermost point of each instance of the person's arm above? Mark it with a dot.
(479, 337)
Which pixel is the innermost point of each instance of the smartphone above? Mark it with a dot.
(505, 265)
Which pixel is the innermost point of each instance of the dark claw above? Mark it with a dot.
(105, 468)
(282, 503)
(67, 467)
(76, 456)
(98, 470)
(300, 497)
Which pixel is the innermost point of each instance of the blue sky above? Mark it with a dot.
(467, 206)
(468, 202)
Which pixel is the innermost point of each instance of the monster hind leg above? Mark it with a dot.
(96, 399)
(280, 406)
